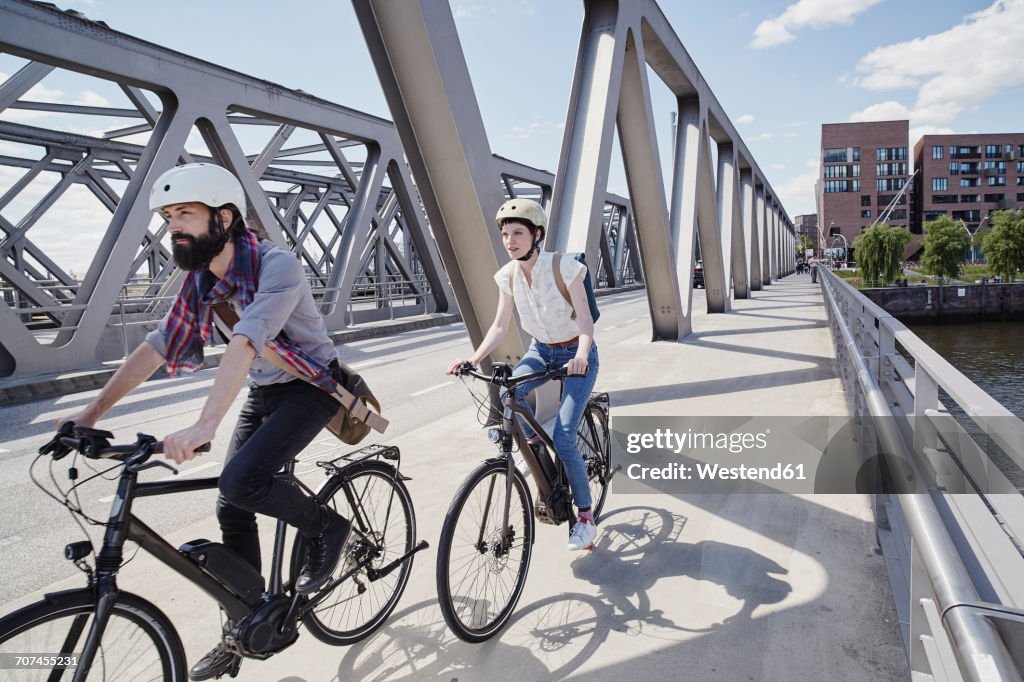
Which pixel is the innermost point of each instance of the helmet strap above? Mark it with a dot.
(535, 246)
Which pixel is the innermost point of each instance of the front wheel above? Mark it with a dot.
(481, 563)
(592, 441)
(373, 497)
(138, 642)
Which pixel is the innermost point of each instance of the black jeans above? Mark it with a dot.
(275, 424)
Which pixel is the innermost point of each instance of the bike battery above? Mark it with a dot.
(237, 574)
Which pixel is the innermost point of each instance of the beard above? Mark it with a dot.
(191, 253)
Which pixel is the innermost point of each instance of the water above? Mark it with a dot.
(991, 354)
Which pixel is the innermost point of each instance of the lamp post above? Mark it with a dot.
(846, 245)
(971, 250)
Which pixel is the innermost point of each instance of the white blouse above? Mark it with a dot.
(543, 312)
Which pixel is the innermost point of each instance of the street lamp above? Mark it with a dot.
(972, 250)
(846, 245)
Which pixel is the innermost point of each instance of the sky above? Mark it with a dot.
(778, 68)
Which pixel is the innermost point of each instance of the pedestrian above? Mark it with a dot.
(563, 334)
(279, 336)
(814, 269)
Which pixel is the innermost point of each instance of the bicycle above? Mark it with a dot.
(487, 538)
(102, 632)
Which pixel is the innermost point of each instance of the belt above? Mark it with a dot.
(564, 344)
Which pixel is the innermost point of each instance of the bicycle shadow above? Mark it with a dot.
(639, 547)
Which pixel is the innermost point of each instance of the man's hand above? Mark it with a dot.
(181, 446)
(576, 366)
(84, 418)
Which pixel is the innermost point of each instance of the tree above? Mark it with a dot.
(1003, 243)
(879, 251)
(944, 246)
(803, 246)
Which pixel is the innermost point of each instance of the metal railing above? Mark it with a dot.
(952, 527)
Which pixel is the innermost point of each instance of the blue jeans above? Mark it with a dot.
(575, 393)
(276, 423)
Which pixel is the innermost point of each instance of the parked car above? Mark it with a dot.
(698, 275)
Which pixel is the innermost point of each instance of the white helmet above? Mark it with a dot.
(522, 209)
(203, 182)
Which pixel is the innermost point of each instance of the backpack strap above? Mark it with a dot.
(351, 402)
(556, 268)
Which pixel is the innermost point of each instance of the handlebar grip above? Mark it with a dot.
(158, 448)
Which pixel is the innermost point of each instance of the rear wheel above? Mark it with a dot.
(592, 441)
(138, 642)
(481, 563)
(376, 501)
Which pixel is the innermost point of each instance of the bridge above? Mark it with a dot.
(909, 582)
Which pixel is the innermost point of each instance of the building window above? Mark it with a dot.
(940, 184)
(856, 171)
(954, 168)
(968, 198)
(856, 153)
(997, 181)
(932, 215)
(945, 198)
(1020, 168)
(1020, 196)
(891, 154)
(836, 186)
(898, 214)
(835, 155)
(992, 198)
(837, 171)
(865, 214)
(1020, 180)
(865, 200)
(968, 182)
(992, 151)
(937, 152)
(854, 185)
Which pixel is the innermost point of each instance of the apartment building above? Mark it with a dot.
(864, 172)
(967, 177)
(807, 226)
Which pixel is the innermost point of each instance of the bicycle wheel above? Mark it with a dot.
(376, 501)
(138, 643)
(592, 441)
(481, 568)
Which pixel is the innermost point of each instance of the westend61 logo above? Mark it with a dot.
(701, 454)
(676, 442)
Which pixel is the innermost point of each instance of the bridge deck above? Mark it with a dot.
(698, 587)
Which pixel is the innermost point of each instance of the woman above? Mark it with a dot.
(560, 337)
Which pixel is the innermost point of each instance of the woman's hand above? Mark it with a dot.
(454, 367)
(577, 365)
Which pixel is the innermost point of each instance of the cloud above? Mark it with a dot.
(797, 193)
(952, 71)
(745, 119)
(761, 136)
(779, 166)
(815, 14)
(88, 98)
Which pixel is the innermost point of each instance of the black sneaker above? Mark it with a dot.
(324, 553)
(213, 664)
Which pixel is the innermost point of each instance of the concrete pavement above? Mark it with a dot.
(701, 587)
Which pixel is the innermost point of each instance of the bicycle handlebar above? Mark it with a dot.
(95, 444)
(502, 378)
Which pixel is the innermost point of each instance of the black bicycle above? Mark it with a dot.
(103, 633)
(487, 538)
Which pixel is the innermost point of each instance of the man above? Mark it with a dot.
(814, 269)
(279, 340)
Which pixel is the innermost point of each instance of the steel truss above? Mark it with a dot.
(746, 238)
(328, 182)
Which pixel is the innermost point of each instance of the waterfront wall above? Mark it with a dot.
(957, 303)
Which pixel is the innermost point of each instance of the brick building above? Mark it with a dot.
(807, 225)
(864, 166)
(967, 177)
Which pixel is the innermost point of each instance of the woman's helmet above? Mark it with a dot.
(526, 210)
(205, 183)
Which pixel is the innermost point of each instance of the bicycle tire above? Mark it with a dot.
(475, 596)
(358, 606)
(592, 441)
(50, 626)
